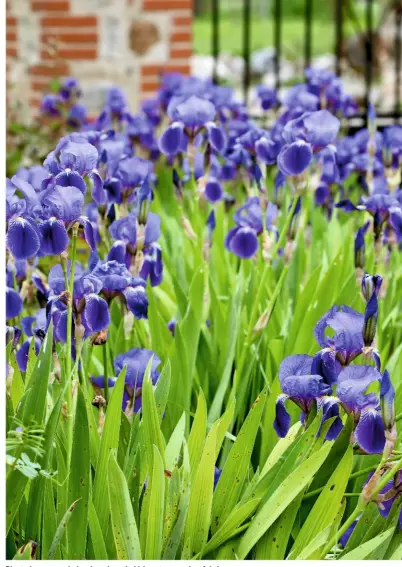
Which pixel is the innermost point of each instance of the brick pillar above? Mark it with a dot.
(128, 43)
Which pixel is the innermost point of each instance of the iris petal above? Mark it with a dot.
(282, 417)
(370, 431)
(23, 238)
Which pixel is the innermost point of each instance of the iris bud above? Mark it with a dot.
(387, 397)
(370, 285)
(370, 320)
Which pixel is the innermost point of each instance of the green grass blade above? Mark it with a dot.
(60, 530)
(124, 527)
(280, 500)
(109, 441)
(156, 508)
(79, 482)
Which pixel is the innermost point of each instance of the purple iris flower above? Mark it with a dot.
(191, 115)
(295, 158)
(302, 388)
(77, 115)
(116, 280)
(13, 335)
(34, 175)
(387, 399)
(310, 132)
(70, 89)
(360, 247)
(388, 494)
(152, 266)
(213, 190)
(88, 308)
(13, 303)
(217, 476)
(22, 353)
(353, 381)
(23, 237)
(131, 236)
(73, 160)
(385, 210)
(61, 208)
(347, 343)
(136, 361)
(243, 239)
(131, 173)
(50, 105)
(299, 97)
(317, 128)
(268, 97)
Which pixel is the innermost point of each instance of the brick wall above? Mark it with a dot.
(100, 42)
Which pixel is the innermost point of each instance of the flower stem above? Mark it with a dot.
(69, 389)
(254, 311)
(398, 417)
(105, 371)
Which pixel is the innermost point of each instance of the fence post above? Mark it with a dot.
(246, 48)
(338, 35)
(278, 42)
(308, 16)
(369, 53)
(215, 38)
(398, 62)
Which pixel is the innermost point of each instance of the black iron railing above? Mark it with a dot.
(343, 13)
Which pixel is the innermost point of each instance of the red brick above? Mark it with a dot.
(11, 35)
(156, 5)
(70, 37)
(156, 70)
(11, 51)
(178, 36)
(34, 103)
(70, 53)
(150, 87)
(52, 70)
(69, 22)
(50, 6)
(185, 21)
(40, 86)
(180, 52)
(11, 21)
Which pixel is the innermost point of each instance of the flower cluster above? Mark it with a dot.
(65, 105)
(331, 381)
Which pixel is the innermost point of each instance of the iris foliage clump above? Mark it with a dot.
(204, 354)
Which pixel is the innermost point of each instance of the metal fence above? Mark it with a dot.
(344, 15)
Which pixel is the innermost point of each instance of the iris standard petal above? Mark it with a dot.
(327, 365)
(295, 365)
(152, 228)
(353, 381)
(305, 387)
(321, 128)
